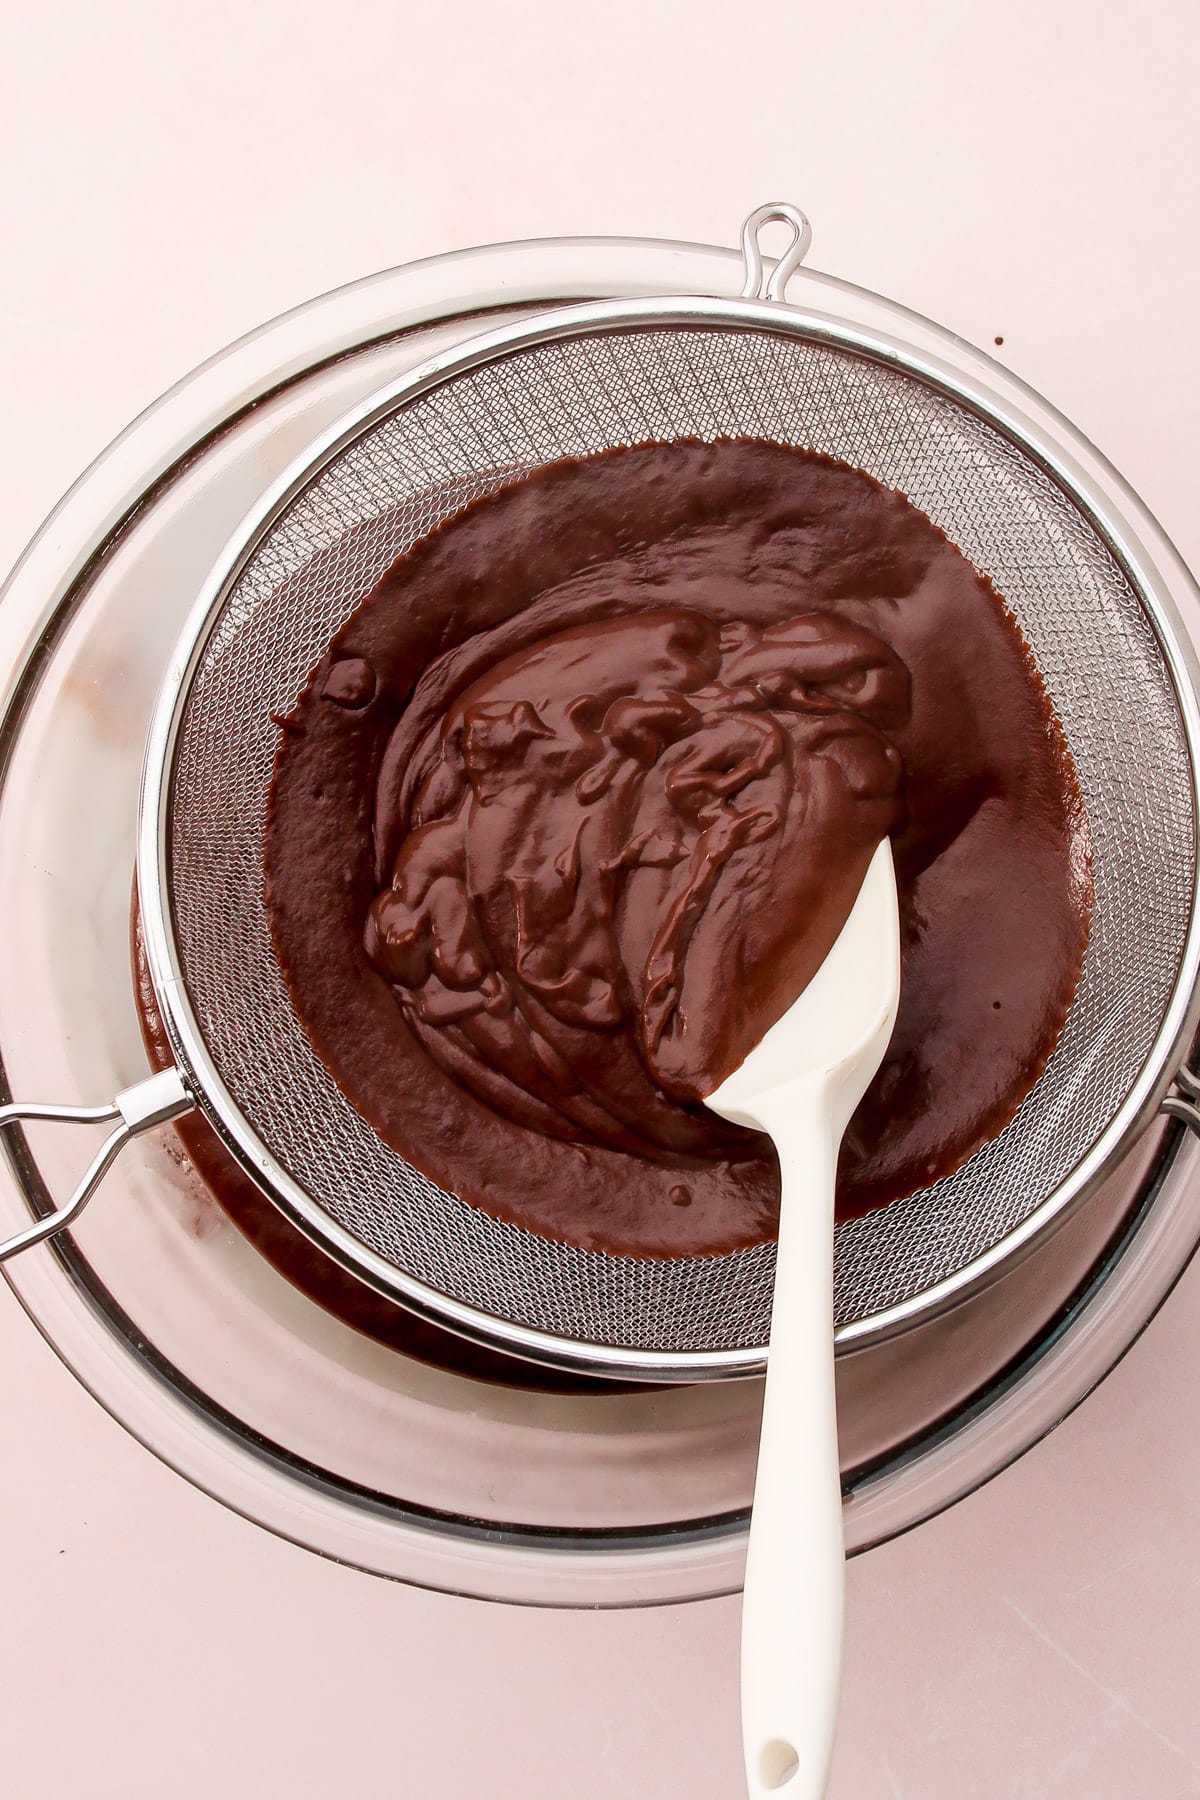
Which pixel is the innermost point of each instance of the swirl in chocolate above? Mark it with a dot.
(581, 794)
(613, 835)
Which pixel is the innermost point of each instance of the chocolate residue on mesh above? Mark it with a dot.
(580, 795)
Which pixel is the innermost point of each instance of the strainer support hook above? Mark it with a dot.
(775, 285)
(1185, 1103)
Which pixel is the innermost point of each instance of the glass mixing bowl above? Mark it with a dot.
(167, 1314)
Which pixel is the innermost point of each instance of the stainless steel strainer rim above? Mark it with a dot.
(187, 1036)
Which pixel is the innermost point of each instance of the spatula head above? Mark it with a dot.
(834, 1034)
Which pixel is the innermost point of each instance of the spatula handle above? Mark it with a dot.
(795, 1566)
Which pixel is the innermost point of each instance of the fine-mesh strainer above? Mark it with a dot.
(1098, 619)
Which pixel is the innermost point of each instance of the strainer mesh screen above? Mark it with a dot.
(1089, 633)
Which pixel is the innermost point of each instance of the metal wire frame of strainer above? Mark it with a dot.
(570, 383)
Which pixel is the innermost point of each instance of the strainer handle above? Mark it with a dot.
(152, 1102)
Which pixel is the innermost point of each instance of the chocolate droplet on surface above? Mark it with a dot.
(350, 683)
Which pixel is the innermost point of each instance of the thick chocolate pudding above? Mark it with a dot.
(579, 797)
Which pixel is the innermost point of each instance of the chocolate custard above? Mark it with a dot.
(581, 794)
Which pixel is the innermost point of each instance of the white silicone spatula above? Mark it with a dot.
(801, 1084)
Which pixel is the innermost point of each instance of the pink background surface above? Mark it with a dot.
(174, 178)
